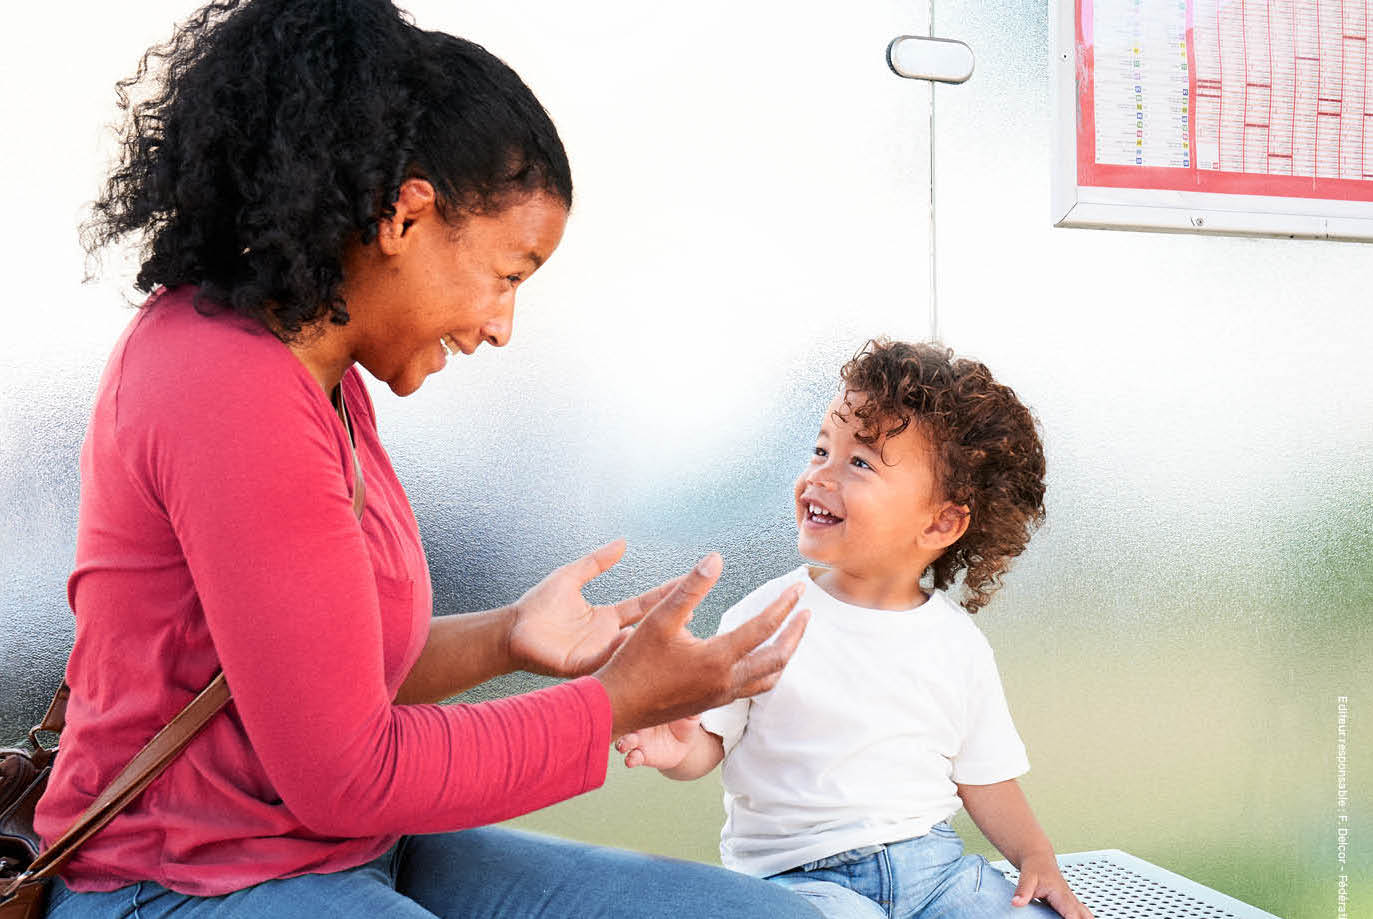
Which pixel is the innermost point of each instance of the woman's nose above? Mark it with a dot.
(498, 337)
(498, 329)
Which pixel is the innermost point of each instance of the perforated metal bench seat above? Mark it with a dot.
(1117, 885)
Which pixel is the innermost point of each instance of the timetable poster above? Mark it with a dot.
(1241, 97)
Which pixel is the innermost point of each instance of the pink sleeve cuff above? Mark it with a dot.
(597, 704)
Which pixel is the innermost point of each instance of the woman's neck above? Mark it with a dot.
(324, 352)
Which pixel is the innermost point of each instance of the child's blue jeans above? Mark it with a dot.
(475, 874)
(928, 877)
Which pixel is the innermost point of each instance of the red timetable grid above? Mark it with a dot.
(1247, 97)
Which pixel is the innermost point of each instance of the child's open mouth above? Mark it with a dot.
(820, 517)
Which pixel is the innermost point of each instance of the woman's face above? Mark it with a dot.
(434, 287)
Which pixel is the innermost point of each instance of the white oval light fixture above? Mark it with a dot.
(919, 57)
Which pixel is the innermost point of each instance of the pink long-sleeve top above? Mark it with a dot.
(217, 531)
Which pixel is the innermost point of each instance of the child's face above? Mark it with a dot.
(864, 509)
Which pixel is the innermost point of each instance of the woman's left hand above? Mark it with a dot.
(557, 633)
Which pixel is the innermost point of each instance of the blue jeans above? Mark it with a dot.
(475, 874)
(928, 877)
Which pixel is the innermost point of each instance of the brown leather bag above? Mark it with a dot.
(24, 872)
(23, 776)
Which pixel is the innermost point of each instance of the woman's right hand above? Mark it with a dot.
(662, 672)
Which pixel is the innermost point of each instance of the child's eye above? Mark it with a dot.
(860, 462)
(514, 278)
(821, 452)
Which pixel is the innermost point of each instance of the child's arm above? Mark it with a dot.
(1004, 817)
(681, 749)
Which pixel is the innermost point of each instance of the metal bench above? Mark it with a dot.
(1117, 885)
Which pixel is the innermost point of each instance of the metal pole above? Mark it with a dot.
(934, 287)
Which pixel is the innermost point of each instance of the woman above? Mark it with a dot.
(318, 185)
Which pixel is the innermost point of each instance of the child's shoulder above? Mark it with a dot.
(957, 623)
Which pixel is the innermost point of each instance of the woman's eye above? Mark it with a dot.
(820, 452)
(514, 278)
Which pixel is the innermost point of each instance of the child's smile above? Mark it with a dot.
(869, 511)
(818, 514)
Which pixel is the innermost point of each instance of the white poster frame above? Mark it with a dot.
(1074, 205)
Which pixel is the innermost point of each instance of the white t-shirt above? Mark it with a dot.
(875, 718)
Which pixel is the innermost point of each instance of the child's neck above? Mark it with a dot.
(896, 591)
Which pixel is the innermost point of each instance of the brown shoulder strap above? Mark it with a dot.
(359, 487)
(55, 718)
(146, 765)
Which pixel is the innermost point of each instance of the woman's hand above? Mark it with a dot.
(662, 672)
(557, 633)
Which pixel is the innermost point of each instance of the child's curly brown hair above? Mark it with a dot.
(986, 448)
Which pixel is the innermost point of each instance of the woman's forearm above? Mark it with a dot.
(462, 651)
(1003, 815)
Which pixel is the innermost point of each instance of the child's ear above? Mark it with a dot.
(947, 526)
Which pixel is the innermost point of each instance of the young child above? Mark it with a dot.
(840, 781)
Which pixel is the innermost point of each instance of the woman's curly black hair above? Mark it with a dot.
(987, 453)
(274, 133)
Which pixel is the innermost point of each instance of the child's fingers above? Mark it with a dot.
(1066, 904)
(631, 746)
(1025, 890)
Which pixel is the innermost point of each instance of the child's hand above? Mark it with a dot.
(1040, 877)
(662, 746)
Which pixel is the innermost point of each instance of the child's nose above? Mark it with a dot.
(820, 477)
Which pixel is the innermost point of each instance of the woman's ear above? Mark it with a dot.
(947, 526)
(416, 200)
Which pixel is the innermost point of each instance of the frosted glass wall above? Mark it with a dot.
(1175, 641)
(752, 194)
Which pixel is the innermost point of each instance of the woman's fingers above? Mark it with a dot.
(620, 638)
(662, 672)
(761, 627)
(635, 608)
(594, 564)
(674, 610)
(760, 670)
